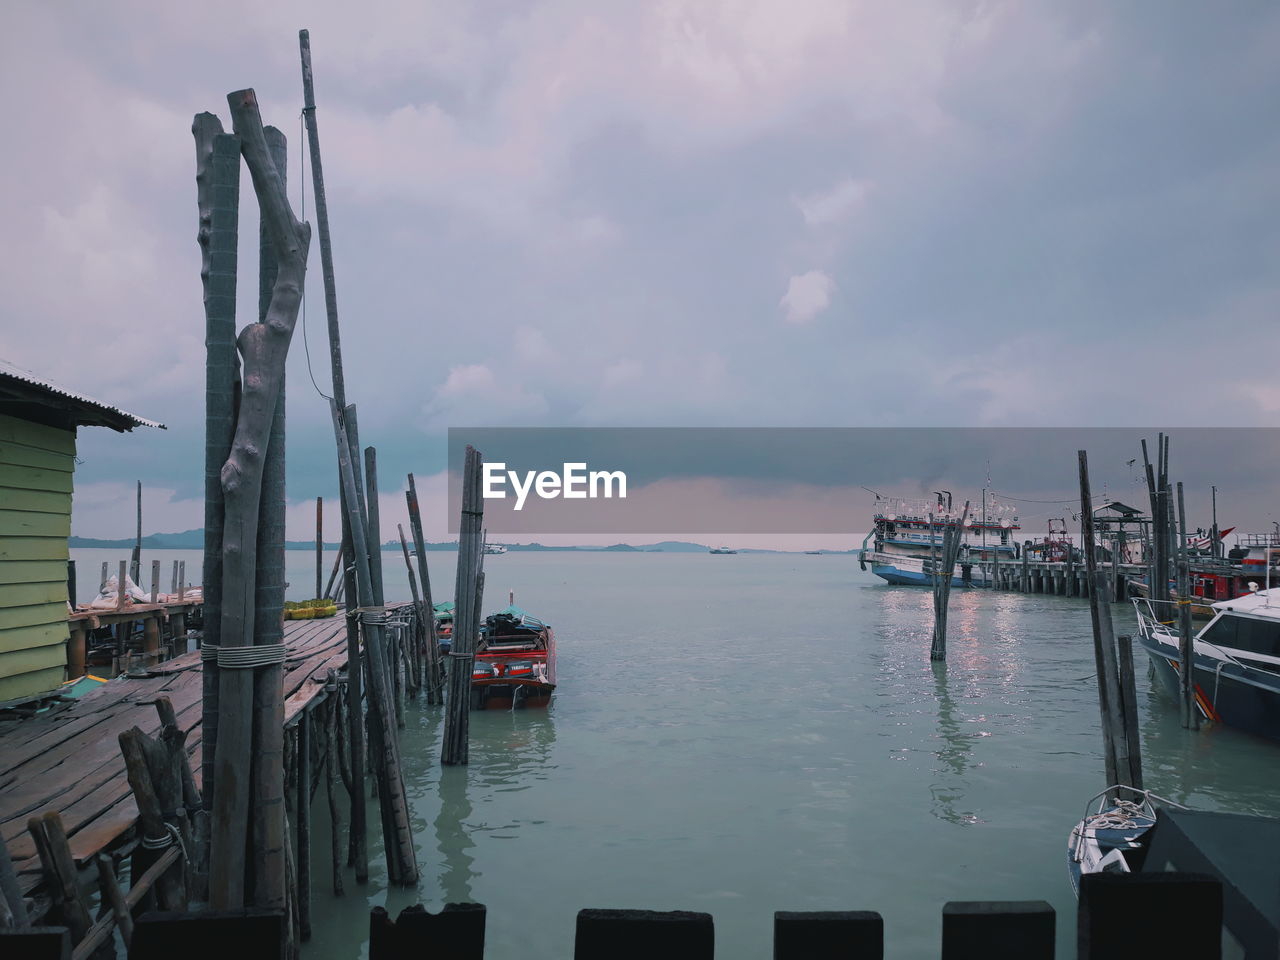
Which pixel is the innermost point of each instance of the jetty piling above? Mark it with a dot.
(951, 538)
(1186, 643)
(435, 692)
(1117, 705)
(319, 546)
(135, 561)
(466, 609)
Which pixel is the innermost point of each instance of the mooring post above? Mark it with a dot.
(465, 627)
(1186, 641)
(135, 561)
(1121, 767)
(155, 581)
(434, 692)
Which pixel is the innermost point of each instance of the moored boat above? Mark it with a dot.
(1110, 839)
(1235, 658)
(515, 662)
(721, 550)
(907, 536)
(444, 625)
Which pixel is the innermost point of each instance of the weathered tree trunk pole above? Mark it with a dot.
(454, 749)
(264, 347)
(218, 200)
(401, 860)
(434, 692)
(951, 538)
(333, 764)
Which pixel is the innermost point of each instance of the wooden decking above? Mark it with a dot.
(69, 760)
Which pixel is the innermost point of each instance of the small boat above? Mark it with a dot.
(444, 624)
(495, 549)
(721, 550)
(1149, 835)
(1110, 839)
(1235, 575)
(813, 553)
(515, 662)
(1235, 658)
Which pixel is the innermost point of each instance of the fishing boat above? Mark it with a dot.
(906, 539)
(1226, 578)
(1146, 834)
(1236, 658)
(444, 624)
(495, 549)
(515, 662)
(721, 550)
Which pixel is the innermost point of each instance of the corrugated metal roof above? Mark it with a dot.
(15, 372)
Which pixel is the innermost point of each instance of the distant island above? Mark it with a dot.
(194, 540)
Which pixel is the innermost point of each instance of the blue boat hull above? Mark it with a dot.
(913, 578)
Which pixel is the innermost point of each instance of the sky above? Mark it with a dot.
(669, 213)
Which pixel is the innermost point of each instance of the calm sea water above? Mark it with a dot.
(749, 733)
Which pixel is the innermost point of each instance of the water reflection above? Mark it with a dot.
(953, 755)
(453, 840)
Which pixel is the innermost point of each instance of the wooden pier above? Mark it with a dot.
(1057, 577)
(69, 760)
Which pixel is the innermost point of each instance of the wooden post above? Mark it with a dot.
(121, 593)
(319, 546)
(264, 347)
(397, 829)
(182, 580)
(1186, 640)
(434, 692)
(1121, 767)
(60, 872)
(303, 808)
(942, 585)
(135, 561)
(151, 639)
(102, 584)
(71, 583)
(413, 588)
(174, 589)
(454, 749)
(332, 765)
(1129, 707)
(10, 892)
(113, 897)
(333, 574)
(143, 757)
(155, 581)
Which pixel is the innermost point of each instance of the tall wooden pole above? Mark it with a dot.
(269, 839)
(1121, 767)
(454, 749)
(398, 831)
(355, 713)
(264, 347)
(218, 201)
(135, 562)
(1186, 641)
(319, 547)
(434, 693)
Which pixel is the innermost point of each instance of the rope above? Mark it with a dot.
(246, 658)
(302, 181)
(209, 651)
(172, 835)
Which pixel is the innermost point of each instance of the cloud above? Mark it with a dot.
(834, 205)
(473, 395)
(808, 294)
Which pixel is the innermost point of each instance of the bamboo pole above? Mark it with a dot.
(218, 200)
(462, 651)
(413, 582)
(332, 768)
(397, 829)
(303, 807)
(1121, 767)
(1186, 641)
(319, 546)
(135, 561)
(434, 692)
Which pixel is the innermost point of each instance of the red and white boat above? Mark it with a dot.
(515, 663)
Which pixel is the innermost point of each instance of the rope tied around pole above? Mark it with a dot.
(172, 835)
(245, 658)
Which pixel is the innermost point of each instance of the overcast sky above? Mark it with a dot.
(657, 214)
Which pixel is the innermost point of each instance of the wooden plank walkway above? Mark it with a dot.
(70, 760)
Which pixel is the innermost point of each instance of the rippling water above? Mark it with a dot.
(751, 733)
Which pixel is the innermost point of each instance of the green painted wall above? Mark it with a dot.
(36, 464)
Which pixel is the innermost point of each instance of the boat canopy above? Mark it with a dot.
(1263, 603)
(512, 612)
